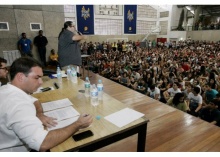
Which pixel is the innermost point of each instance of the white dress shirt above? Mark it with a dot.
(20, 129)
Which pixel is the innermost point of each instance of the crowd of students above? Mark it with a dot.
(163, 71)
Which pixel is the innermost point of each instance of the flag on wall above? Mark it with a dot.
(130, 19)
(85, 19)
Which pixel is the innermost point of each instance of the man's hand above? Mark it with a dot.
(84, 120)
(47, 121)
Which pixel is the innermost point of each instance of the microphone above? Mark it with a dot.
(79, 32)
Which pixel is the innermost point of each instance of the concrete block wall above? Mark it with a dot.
(19, 18)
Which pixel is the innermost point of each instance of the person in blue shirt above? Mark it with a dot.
(25, 46)
(210, 93)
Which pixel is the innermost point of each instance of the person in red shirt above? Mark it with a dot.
(186, 66)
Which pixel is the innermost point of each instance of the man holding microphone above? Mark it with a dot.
(68, 46)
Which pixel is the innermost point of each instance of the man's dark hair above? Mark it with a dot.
(2, 60)
(152, 86)
(208, 84)
(65, 25)
(196, 90)
(23, 65)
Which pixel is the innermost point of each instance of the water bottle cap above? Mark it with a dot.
(87, 78)
(100, 81)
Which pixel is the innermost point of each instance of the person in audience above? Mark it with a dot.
(21, 129)
(54, 58)
(188, 89)
(153, 92)
(3, 69)
(124, 79)
(217, 100)
(194, 101)
(141, 86)
(211, 113)
(210, 93)
(172, 91)
(178, 102)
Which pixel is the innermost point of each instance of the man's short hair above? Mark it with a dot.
(152, 86)
(208, 84)
(2, 60)
(196, 90)
(23, 65)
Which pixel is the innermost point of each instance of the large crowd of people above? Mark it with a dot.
(162, 70)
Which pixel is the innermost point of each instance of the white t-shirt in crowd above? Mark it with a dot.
(172, 92)
(195, 99)
(153, 93)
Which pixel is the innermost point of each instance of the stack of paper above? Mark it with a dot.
(62, 110)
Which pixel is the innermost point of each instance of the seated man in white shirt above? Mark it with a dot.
(136, 75)
(3, 69)
(153, 92)
(20, 128)
(172, 91)
(194, 101)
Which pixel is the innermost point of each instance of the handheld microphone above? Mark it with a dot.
(79, 32)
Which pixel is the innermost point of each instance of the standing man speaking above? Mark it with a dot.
(41, 41)
(68, 46)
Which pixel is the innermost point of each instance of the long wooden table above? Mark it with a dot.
(105, 133)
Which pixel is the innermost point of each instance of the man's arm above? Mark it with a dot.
(77, 37)
(56, 137)
(198, 108)
(47, 121)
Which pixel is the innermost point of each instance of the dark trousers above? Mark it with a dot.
(193, 107)
(25, 54)
(42, 54)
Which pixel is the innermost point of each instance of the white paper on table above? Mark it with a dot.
(52, 105)
(40, 91)
(124, 117)
(63, 75)
(63, 113)
(64, 123)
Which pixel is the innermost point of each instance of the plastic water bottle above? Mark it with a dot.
(59, 75)
(73, 75)
(68, 72)
(87, 87)
(94, 95)
(100, 90)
